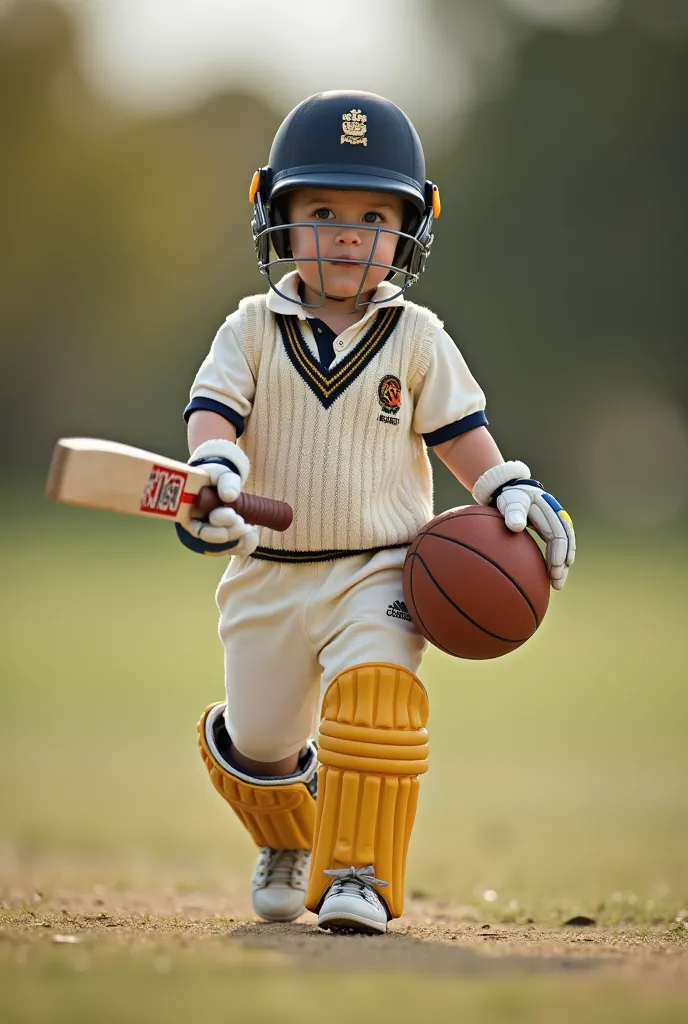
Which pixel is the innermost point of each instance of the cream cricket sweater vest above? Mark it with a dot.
(338, 444)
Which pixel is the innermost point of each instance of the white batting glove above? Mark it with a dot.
(225, 463)
(225, 526)
(224, 529)
(523, 501)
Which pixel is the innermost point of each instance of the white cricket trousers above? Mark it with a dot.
(289, 629)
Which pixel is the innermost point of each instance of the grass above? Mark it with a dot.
(557, 783)
(205, 991)
(202, 991)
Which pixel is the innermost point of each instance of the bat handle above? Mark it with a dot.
(275, 515)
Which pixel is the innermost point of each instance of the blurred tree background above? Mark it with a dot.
(559, 262)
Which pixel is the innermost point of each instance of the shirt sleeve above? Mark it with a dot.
(448, 399)
(224, 383)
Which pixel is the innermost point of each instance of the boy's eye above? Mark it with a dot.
(371, 217)
(323, 213)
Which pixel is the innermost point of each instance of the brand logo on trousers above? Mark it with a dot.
(398, 610)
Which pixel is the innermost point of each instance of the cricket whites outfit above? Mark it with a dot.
(318, 609)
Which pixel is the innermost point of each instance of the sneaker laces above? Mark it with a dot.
(354, 880)
(281, 867)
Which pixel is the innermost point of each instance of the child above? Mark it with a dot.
(335, 385)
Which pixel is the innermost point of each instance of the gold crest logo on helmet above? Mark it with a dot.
(354, 128)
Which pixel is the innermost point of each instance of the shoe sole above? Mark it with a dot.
(351, 923)
(279, 920)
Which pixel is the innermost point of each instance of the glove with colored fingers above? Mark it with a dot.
(224, 532)
(523, 501)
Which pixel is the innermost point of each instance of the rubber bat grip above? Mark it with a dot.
(276, 515)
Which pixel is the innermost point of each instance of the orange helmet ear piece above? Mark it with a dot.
(436, 202)
(254, 188)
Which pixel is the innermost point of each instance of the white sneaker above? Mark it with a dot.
(278, 886)
(351, 904)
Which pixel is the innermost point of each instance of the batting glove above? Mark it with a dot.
(523, 501)
(224, 531)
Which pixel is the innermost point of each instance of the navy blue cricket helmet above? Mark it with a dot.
(346, 140)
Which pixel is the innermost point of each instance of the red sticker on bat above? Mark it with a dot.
(163, 493)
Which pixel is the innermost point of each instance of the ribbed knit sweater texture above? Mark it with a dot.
(356, 481)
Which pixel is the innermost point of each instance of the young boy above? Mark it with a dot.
(335, 385)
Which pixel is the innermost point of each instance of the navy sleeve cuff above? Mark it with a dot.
(476, 419)
(210, 405)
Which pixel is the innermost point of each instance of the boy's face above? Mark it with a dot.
(346, 246)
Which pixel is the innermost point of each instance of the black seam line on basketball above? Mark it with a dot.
(462, 544)
(426, 632)
(495, 636)
(479, 510)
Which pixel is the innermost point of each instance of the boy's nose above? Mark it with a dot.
(348, 235)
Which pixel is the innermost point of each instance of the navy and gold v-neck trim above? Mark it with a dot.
(328, 384)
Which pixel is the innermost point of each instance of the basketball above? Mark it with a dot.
(472, 587)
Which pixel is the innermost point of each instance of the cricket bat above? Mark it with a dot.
(120, 478)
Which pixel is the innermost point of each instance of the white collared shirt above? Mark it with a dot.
(292, 306)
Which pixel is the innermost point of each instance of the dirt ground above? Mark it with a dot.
(432, 937)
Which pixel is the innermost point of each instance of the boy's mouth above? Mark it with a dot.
(346, 262)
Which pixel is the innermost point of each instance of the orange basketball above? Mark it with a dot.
(472, 587)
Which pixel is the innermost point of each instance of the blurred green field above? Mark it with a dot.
(557, 781)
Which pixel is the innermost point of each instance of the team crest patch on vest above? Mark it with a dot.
(389, 397)
(354, 128)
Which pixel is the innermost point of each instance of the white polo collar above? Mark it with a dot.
(290, 286)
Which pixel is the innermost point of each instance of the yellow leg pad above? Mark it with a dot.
(279, 816)
(372, 747)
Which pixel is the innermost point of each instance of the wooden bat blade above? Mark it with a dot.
(117, 477)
